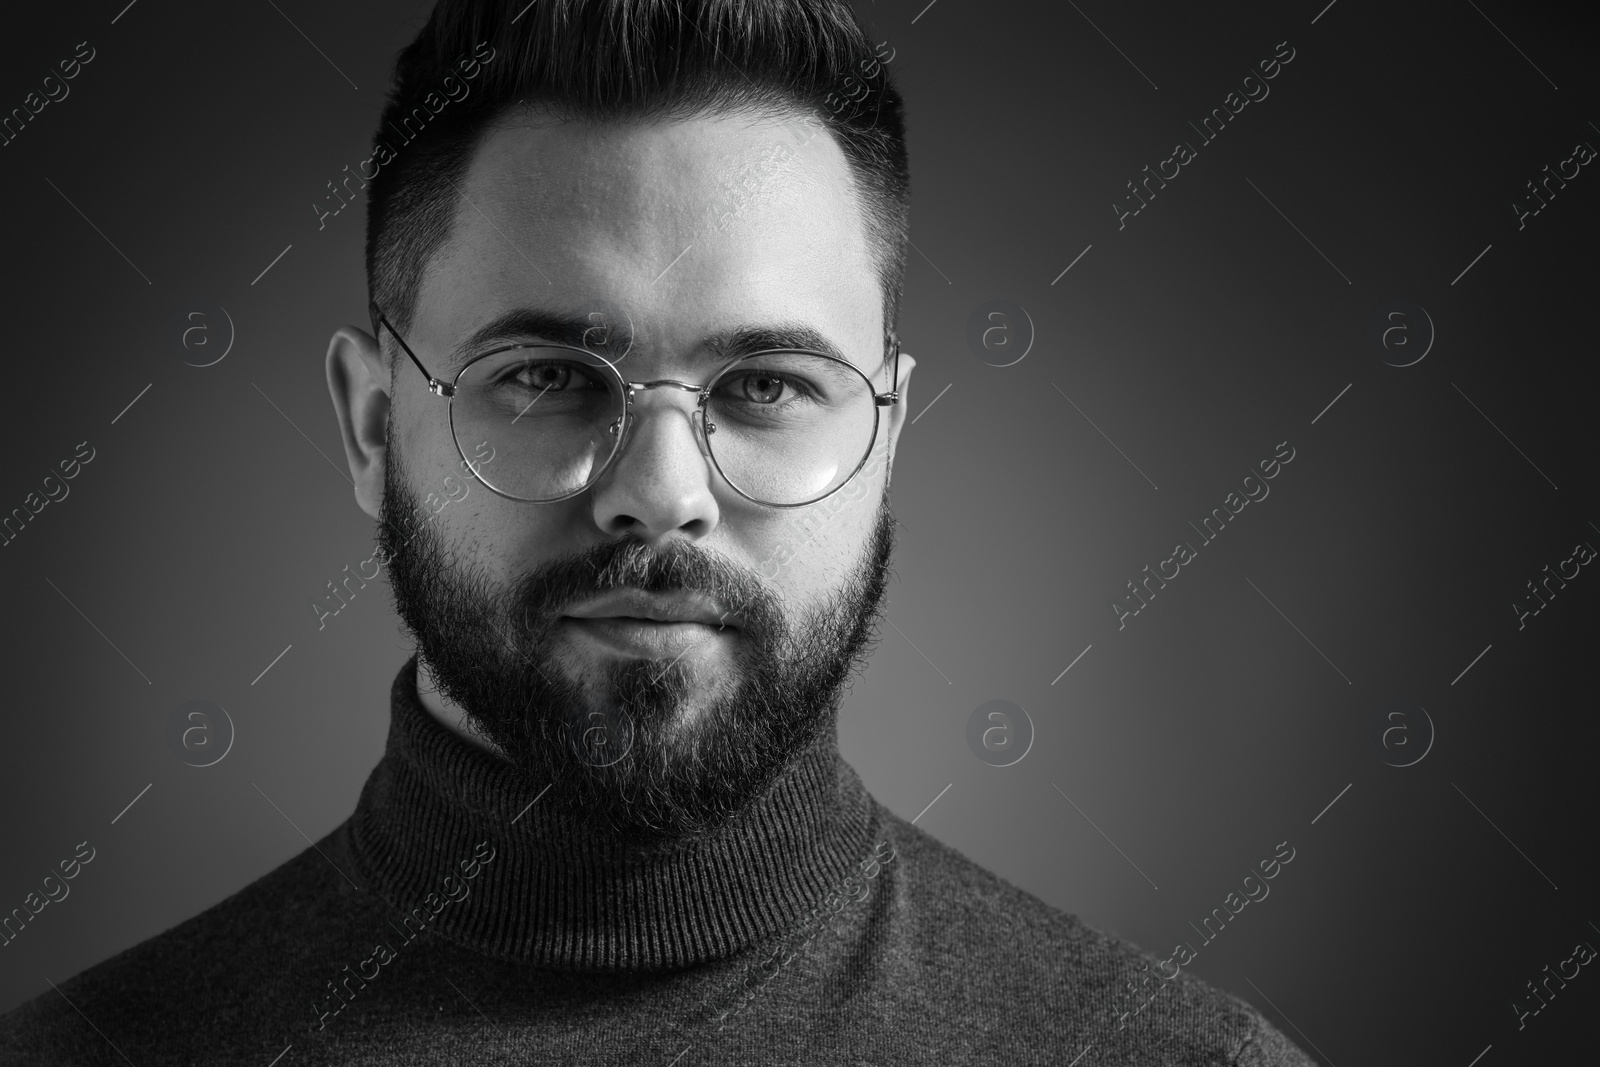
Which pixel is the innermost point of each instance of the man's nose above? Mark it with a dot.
(662, 481)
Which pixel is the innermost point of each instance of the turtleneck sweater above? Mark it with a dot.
(453, 920)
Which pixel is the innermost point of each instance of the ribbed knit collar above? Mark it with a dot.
(561, 898)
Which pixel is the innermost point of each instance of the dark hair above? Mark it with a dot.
(618, 61)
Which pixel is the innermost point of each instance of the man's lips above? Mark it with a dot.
(635, 606)
(629, 619)
(647, 637)
(645, 621)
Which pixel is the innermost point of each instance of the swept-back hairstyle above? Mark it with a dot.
(619, 61)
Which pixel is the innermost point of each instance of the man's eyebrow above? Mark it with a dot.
(744, 340)
(538, 324)
(597, 334)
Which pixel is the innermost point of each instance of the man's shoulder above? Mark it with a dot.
(979, 914)
(209, 973)
(1044, 969)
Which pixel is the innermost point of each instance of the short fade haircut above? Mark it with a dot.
(626, 61)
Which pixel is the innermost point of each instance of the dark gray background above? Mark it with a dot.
(1196, 339)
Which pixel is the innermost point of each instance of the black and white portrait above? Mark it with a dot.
(851, 532)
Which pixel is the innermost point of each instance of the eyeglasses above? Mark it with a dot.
(784, 427)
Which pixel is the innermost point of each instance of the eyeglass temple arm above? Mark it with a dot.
(892, 397)
(434, 384)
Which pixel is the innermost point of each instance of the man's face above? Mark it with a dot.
(683, 233)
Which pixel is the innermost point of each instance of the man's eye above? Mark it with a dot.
(549, 376)
(546, 377)
(763, 388)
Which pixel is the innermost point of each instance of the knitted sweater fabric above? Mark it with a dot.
(451, 920)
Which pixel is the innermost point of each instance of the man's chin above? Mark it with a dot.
(652, 757)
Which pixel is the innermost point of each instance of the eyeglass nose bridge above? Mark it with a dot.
(659, 382)
(697, 420)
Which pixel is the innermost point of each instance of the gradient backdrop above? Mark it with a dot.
(1257, 689)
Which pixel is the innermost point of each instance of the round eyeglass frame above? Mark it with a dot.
(620, 429)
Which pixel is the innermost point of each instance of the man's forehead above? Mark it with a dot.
(625, 153)
(634, 184)
(655, 219)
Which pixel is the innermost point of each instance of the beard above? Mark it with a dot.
(615, 746)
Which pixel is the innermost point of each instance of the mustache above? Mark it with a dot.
(539, 599)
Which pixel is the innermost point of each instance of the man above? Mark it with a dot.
(634, 270)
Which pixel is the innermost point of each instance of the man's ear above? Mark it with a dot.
(358, 381)
(897, 413)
